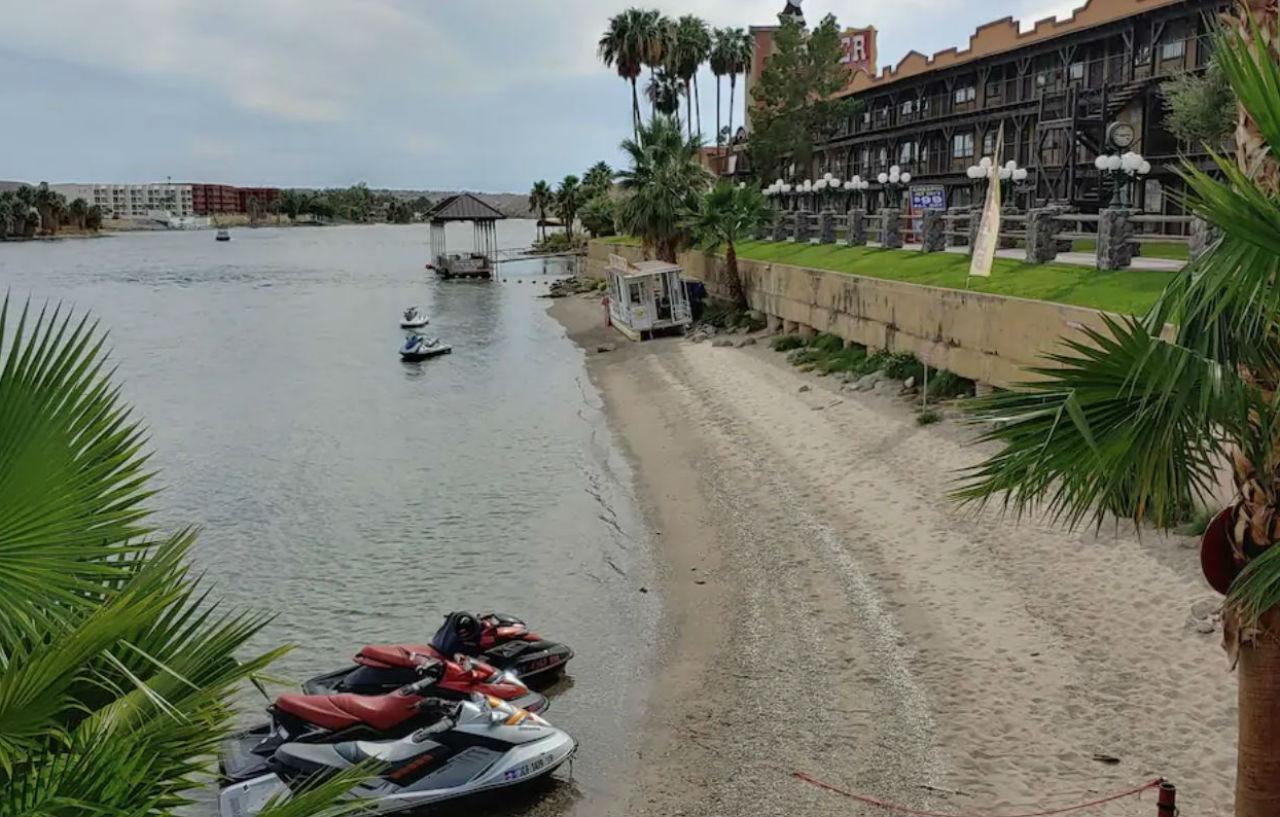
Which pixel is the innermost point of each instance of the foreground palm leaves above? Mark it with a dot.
(116, 671)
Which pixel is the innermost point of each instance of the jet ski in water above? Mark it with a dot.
(346, 717)
(413, 319)
(420, 348)
(499, 640)
(469, 747)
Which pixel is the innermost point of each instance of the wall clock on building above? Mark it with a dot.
(1121, 134)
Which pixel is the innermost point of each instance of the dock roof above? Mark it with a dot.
(464, 207)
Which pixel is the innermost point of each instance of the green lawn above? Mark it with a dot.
(1126, 291)
(1155, 249)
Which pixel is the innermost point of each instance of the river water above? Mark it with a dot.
(360, 497)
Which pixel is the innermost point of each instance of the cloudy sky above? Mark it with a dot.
(477, 94)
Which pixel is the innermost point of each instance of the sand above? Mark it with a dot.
(827, 609)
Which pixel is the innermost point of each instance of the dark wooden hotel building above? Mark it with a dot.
(1064, 90)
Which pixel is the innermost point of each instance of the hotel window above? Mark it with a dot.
(965, 94)
(989, 143)
(1077, 71)
(1173, 49)
(905, 151)
(962, 146)
(884, 157)
(907, 108)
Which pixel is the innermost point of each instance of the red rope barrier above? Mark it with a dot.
(871, 801)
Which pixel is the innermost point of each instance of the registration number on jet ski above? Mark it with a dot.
(526, 769)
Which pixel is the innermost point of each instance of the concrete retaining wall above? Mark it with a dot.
(987, 338)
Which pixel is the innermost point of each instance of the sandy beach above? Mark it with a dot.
(826, 609)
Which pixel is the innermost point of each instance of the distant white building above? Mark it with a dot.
(133, 200)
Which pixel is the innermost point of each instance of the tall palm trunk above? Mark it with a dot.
(635, 109)
(688, 107)
(718, 84)
(736, 290)
(733, 86)
(1258, 745)
(697, 104)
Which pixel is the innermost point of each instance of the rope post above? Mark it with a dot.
(1166, 802)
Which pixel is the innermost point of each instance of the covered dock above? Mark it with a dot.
(479, 262)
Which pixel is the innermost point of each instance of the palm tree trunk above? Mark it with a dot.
(635, 110)
(688, 108)
(733, 86)
(697, 104)
(736, 290)
(718, 83)
(1253, 154)
(1257, 762)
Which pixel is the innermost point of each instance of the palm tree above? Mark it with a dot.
(725, 216)
(568, 200)
(659, 39)
(738, 49)
(664, 181)
(47, 204)
(719, 61)
(540, 199)
(79, 209)
(118, 674)
(692, 47)
(7, 199)
(598, 179)
(1129, 422)
(663, 93)
(93, 219)
(623, 46)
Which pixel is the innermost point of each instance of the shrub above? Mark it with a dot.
(827, 342)
(927, 417)
(902, 365)
(785, 343)
(845, 360)
(946, 384)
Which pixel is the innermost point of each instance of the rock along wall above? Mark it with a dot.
(987, 338)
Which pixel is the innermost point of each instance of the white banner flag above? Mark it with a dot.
(984, 248)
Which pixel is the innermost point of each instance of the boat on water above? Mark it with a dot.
(419, 348)
(413, 319)
(223, 235)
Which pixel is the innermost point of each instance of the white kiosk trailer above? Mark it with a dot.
(647, 298)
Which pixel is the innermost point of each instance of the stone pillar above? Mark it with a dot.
(891, 228)
(1041, 226)
(801, 228)
(790, 327)
(934, 231)
(1203, 236)
(772, 323)
(765, 228)
(780, 228)
(1114, 231)
(857, 228)
(827, 227)
(1006, 242)
(806, 331)
(975, 220)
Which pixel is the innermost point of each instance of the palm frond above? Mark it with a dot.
(72, 482)
(1122, 422)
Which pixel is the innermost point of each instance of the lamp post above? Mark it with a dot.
(1121, 170)
(893, 183)
(828, 187)
(1011, 177)
(856, 187)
